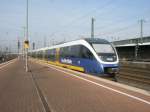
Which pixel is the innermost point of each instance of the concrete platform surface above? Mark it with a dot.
(51, 89)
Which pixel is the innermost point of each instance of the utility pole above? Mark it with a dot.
(33, 46)
(26, 62)
(45, 42)
(141, 29)
(23, 48)
(53, 41)
(136, 49)
(64, 40)
(18, 47)
(139, 40)
(92, 27)
(24, 31)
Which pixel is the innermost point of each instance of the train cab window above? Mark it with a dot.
(103, 48)
(86, 53)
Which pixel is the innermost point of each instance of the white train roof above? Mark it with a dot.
(85, 43)
(75, 42)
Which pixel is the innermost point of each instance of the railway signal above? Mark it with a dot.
(26, 44)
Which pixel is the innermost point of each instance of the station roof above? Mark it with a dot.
(133, 42)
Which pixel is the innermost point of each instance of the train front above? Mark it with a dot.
(107, 56)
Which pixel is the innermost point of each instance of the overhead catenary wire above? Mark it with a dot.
(119, 29)
(91, 12)
(83, 16)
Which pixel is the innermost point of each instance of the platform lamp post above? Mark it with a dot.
(18, 45)
(26, 42)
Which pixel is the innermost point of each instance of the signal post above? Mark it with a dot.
(26, 46)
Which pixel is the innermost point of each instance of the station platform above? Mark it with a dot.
(47, 88)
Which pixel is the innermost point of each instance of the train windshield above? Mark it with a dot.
(103, 48)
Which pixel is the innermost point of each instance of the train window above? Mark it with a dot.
(70, 51)
(67, 51)
(52, 55)
(62, 52)
(75, 51)
(41, 54)
(46, 54)
(86, 53)
(38, 54)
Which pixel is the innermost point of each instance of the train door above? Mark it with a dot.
(89, 62)
(57, 55)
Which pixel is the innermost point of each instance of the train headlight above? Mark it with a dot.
(109, 59)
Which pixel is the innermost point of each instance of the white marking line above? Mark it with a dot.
(7, 64)
(109, 88)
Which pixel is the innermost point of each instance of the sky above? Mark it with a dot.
(54, 21)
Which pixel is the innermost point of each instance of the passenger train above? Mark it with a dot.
(89, 55)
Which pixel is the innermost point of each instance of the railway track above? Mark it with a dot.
(135, 74)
